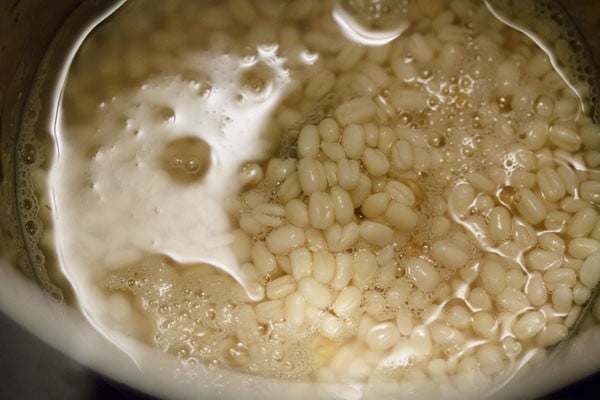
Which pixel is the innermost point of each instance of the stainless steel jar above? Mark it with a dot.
(27, 29)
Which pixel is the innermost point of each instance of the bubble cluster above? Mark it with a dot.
(197, 315)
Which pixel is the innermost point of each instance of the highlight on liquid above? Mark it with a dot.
(352, 192)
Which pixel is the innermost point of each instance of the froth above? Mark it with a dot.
(196, 314)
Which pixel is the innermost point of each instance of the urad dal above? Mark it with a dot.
(258, 186)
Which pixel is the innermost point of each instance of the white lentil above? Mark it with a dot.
(569, 178)
(375, 161)
(248, 324)
(376, 233)
(375, 205)
(420, 343)
(349, 55)
(560, 277)
(479, 299)
(400, 192)
(571, 204)
(448, 254)
(484, 324)
(461, 198)
(530, 206)
(556, 221)
(550, 184)
(493, 277)
(314, 293)
(348, 174)
(590, 191)
(382, 336)
(524, 236)
(542, 260)
(536, 290)
(290, 188)
(334, 151)
(301, 260)
(347, 302)
(402, 155)
(408, 99)
(323, 266)
(529, 325)
(581, 294)
(371, 135)
(582, 223)
(321, 213)
(589, 274)
(564, 136)
(515, 278)
(551, 335)
(458, 316)
(562, 299)
(356, 111)
(439, 226)
(284, 238)
(320, 84)
(329, 130)
(422, 274)
(309, 141)
(279, 169)
(375, 303)
(311, 176)
(404, 71)
(263, 259)
(444, 334)
(583, 247)
(296, 212)
(341, 238)
(404, 321)
(536, 136)
(342, 205)
(551, 242)
(364, 268)
(387, 137)
(281, 287)
(398, 293)
(422, 158)
(480, 182)
(361, 191)
(512, 300)
(490, 358)
(269, 311)
(330, 326)
(344, 271)
(402, 217)
(572, 316)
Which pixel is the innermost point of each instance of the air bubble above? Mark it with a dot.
(256, 83)
(31, 227)
(187, 159)
(27, 204)
(29, 154)
(436, 141)
(163, 309)
(165, 114)
(210, 313)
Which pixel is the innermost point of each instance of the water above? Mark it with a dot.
(176, 139)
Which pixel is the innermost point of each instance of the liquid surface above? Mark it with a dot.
(405, 192)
